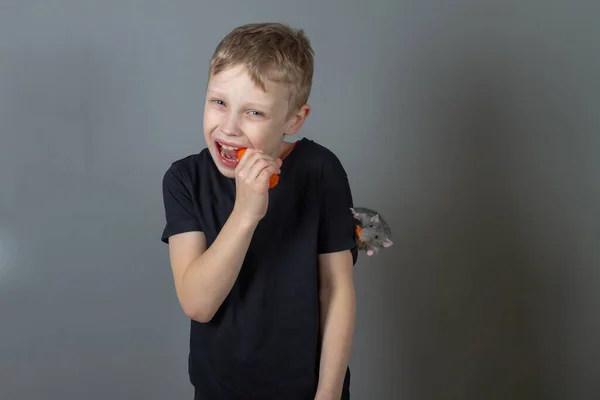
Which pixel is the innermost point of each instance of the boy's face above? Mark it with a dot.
(240, 114)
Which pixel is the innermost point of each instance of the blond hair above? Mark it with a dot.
(271, 51)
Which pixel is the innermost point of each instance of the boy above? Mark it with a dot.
(265, 275)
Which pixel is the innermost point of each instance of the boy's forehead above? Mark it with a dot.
(238, 83)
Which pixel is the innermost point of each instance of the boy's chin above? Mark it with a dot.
(228, 173)
(227, 169)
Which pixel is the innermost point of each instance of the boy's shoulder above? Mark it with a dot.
(320, 151)
(188, 168)
(320, 159)
(322, 164)
(190, 161)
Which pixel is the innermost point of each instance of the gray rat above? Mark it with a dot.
(373, 233)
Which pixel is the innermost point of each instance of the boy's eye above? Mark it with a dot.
(256, 113)
(219, 102)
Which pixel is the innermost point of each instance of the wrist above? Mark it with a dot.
(242, 221)
(327, 394)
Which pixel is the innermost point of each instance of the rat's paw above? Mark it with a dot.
(370, 252)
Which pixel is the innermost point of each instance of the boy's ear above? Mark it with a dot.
(296, 121)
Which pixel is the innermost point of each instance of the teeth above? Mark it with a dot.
(223, 148)
(229, 147)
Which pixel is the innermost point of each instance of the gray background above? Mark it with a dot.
(472, 126)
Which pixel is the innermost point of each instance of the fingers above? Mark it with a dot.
(247, 158)
(247, 161)
(265, 174)
(260, 166)
(254, 162)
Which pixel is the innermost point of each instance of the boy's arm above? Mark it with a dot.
(204, 277)
(337, 255)
(338, 310)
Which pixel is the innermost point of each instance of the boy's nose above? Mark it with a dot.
(229, 126)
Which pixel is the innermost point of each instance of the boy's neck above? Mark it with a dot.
(285, 149)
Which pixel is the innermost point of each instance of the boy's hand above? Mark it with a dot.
(252, 176)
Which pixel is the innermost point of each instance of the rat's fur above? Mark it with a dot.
(375, 232)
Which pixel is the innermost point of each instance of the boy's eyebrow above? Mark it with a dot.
(217, 93)
(214, 92)
(257, 105)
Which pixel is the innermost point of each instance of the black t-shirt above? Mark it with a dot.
(263, 342)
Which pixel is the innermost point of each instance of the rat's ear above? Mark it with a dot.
(387, 243)
(375, 218)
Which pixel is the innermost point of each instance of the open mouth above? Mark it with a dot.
(229, 154)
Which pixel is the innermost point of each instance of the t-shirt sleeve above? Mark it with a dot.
(178, 204)
(336, 225)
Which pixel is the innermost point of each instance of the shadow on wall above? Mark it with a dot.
(480, 322)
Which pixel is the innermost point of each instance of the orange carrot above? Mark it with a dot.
(273, 181)
(358, 229)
